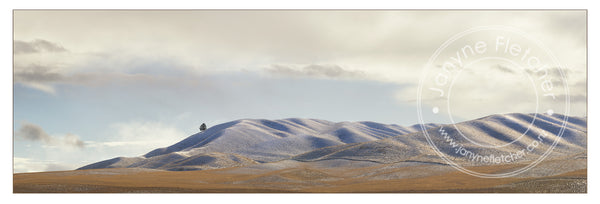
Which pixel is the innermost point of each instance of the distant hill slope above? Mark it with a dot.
(245, 142)
(249, 141)
(491, 130)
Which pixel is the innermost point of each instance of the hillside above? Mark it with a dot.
(255, 141)
(249, 141)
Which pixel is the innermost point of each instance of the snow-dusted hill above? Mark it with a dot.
(246, 142)
(492, 131)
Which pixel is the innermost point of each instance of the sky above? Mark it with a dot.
(92, 85)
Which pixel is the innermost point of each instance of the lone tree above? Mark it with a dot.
(202, 127)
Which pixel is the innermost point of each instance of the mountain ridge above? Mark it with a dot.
(254, 141)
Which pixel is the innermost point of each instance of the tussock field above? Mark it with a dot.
(299, 179)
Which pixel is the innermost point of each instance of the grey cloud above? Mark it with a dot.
(73, 140)
(313, 70)
(38, 77)
(579, 85)
(582, 83)
(503, 69)
(552, 72)
(33, 132)
(578, 98)
(556, 72)
(386, 38)
(36, 46)
(574, 98)
(45, 77)
(577, 81)
(36, 73)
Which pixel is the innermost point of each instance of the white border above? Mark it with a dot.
(6, 90)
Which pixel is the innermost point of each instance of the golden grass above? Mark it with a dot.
(286, 180)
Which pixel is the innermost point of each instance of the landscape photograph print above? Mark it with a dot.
(299, 101)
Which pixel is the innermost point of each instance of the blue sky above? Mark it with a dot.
(92, 85)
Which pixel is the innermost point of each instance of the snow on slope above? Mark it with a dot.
(248, 141)
(490, 130)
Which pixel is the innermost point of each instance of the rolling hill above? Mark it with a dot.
(256, 141)
(250, 141)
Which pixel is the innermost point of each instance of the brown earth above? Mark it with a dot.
(291, 180)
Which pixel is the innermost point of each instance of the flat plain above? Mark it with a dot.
(302, 178)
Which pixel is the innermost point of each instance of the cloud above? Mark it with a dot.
(574, 98)
(138, 137)
(38, 77)
(551, 72)
(45, 78)
(36, 46)
(392, 45)
(73, 140)
(315, 70)
(503, 69)
(24, 165)
(146, 132)
(37, 73)
(578, 98)
(396, 41)
(493, 88)
(33, 132)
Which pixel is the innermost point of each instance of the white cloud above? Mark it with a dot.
(24, 165)
(315, 71)
(384, 42)
(390, 46)
(482, 91)
(137, 138)
(27, 165)
(123, 139)
(153, 132)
